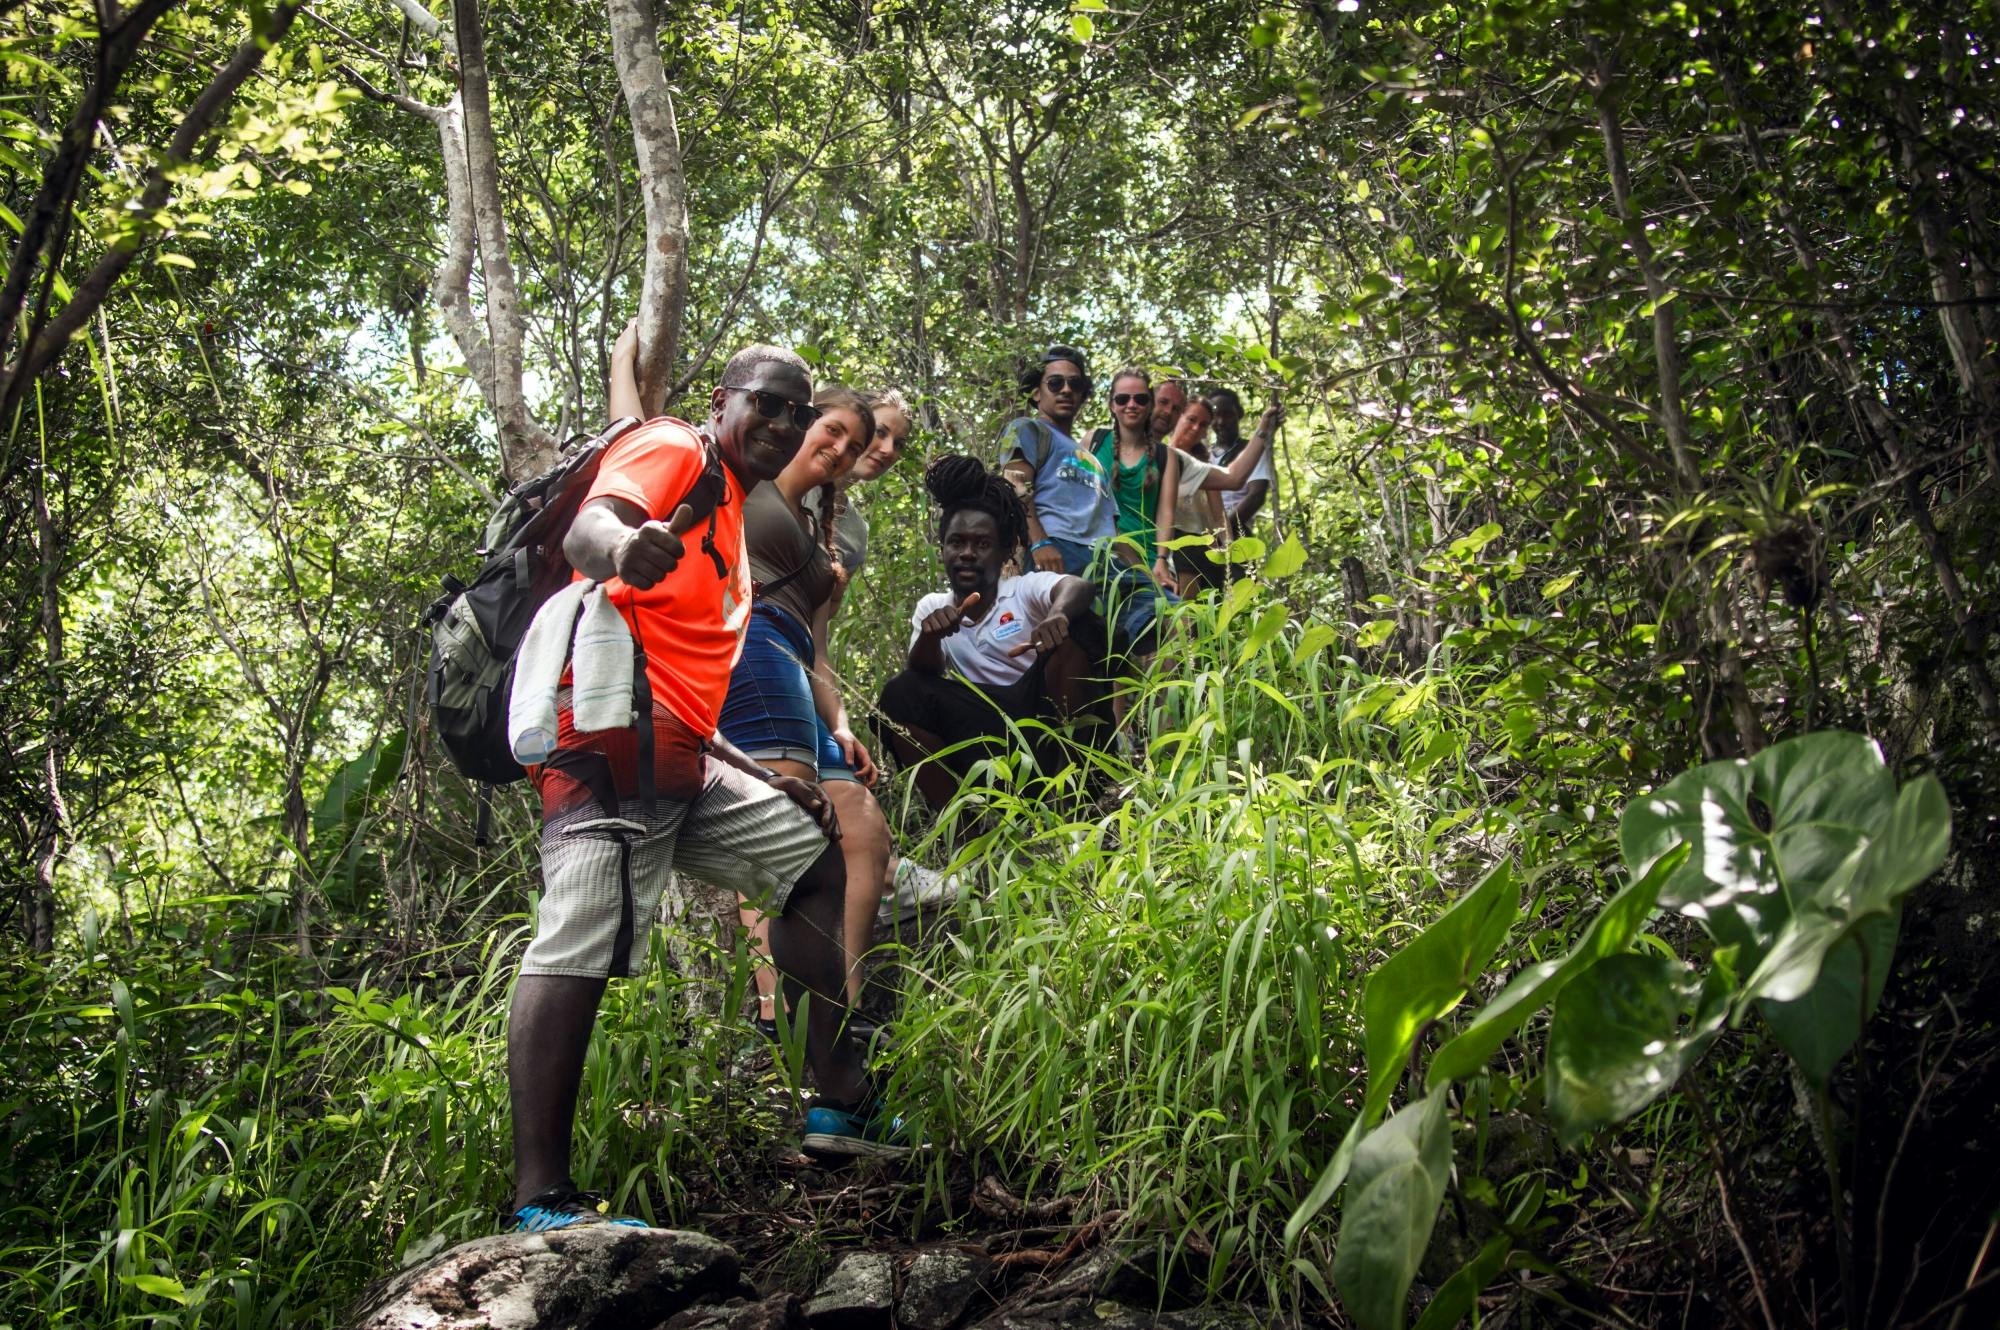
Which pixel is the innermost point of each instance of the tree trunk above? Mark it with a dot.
(1978, 375)
(1718, 629)
(635, 47)
(525, 447)
(55, 815)
(298, 830)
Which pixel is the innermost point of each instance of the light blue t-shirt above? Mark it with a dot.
(1071, 497)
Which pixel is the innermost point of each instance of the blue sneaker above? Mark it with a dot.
(566, 1207)
(868, 1130)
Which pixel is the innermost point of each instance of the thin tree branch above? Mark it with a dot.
(91, 291)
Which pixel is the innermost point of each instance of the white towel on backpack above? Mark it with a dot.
(538, 667)
(601, 672)
(600, 682)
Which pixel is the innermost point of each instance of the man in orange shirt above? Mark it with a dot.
(623, 808)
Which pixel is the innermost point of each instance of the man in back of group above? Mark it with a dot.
(1169, 400)
(1240, 507)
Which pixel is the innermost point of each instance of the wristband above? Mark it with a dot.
(1040, 544)
(767, 774)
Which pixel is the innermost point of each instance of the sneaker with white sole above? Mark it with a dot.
(868, 1130)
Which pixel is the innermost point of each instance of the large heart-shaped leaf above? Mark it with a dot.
(1400, 1172)
(1624, 1030)
(1415, 986)
(1801, 858)
(1609, 933)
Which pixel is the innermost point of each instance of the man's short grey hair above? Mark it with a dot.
(743, 366)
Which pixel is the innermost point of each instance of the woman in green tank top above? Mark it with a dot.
(1142, 478)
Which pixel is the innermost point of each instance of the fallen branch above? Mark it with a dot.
(1044, 1259)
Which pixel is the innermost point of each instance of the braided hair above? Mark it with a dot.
(957, 482)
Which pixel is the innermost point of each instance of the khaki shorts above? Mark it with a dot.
(602, 876)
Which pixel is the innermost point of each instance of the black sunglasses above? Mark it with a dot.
(771, 406)
(1055, 383)
(1122, 399)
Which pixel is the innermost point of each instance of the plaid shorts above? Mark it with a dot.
(607, 851)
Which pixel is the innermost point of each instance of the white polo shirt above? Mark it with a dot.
(1233, 499)
(978, 651)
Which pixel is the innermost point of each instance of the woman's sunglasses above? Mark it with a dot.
(771, 407)
(1055, 383)
(1129, 399)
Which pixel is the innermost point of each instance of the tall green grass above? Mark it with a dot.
(197, 1142)
(1150, 1005)
(1154, 1005)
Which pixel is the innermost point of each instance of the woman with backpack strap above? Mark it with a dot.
(781, 709)
(784, 706)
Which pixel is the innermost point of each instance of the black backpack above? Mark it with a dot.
(476, 628)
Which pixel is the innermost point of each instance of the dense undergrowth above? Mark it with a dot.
(1151, 1005)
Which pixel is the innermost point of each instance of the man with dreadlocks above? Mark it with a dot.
(990, 649)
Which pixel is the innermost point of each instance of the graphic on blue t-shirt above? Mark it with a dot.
(1070, 494)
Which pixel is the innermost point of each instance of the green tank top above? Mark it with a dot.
(1136, 488)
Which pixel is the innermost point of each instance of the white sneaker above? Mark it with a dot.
(917, 890)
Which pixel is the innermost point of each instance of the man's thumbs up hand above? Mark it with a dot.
(653, 550)
(944, 620)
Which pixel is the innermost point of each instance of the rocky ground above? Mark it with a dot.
(613, 1278)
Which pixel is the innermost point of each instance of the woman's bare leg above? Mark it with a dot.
(864, 843)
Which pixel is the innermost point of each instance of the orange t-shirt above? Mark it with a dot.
(690, 622)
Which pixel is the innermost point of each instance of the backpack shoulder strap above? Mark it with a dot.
(706, 494)
(1044, 440)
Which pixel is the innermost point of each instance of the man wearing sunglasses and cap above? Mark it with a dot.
(623, 808)
(1072, 517)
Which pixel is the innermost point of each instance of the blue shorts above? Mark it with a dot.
(1128, 599)
(769, 712)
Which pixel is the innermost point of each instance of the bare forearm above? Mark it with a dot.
(826, 695)
(1023, 477)
(593, 540)
(927, 654)
(736, 757)
(623, 390)
(1072, 597)
(1237, 474)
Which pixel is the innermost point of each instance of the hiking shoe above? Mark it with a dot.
(566, 1207)
(768, 1027)
(866, 1130)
